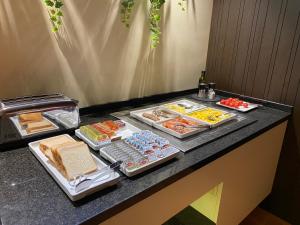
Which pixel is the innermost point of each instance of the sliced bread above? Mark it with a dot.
(38, 126)
(74, 159)
(24, 119)
(51, 142)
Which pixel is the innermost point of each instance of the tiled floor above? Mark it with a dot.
(262, 217)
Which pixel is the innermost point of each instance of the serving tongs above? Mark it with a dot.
(82, 182)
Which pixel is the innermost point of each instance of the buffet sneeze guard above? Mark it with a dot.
(31, 116)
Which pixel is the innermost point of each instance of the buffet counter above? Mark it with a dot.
(243, 161)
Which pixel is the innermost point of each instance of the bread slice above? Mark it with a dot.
(39, 126)
(24, 119)
(49, 143)
(73, 159)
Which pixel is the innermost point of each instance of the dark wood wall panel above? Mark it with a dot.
(254, 49)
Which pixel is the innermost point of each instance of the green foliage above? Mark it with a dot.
(154, 19)
(154, 16)
(126, 9)
(55, 14)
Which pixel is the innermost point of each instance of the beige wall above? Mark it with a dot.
(94, 58)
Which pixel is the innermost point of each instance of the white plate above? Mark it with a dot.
(63, 182)
(138, 114)
(23, 131)
(241, 108)
(194, 106)
(124, 132)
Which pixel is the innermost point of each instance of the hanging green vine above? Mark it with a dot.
(126, 9)
(154, 19)
(154, 16)
(55, 13)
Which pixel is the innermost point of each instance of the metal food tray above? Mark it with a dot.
(184, 101)
(212, 125)
(243, 109)
(138, 115)
(124, 132)
(141, 169)
(178, 135)
(112, 178)
(23, 131)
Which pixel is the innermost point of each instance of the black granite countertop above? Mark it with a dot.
(28, 194)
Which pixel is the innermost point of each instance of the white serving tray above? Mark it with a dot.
(241, 108)
(138, 115)
(124, 132)
(139, 170)
(23, 131)
(233, 116)
(178, 135)
(111, 179)
(195, 106)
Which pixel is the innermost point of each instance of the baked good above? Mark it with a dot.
(48, 144)
(73, 159)
(70, 157)
(35, 127)
(51, 142)
(26, 118)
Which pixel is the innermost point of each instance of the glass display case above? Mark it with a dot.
(31, 116)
